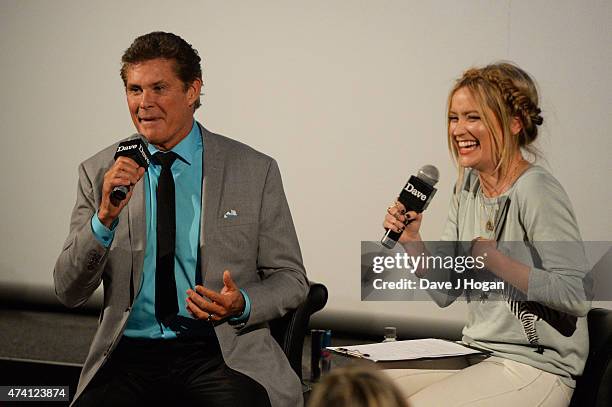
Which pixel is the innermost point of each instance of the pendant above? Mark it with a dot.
(490, 226)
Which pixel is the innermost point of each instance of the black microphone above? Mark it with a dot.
(415, 196)
(137, 151)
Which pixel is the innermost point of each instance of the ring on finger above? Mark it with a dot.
(210, 317)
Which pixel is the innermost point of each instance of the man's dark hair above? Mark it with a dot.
(159, 44)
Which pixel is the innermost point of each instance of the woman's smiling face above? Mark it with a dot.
(469, 134)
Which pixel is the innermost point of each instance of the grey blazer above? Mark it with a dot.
(259, 247)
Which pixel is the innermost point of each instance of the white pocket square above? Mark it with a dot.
(230, 214)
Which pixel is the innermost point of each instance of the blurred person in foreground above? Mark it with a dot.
(535, 328)
(356, 386)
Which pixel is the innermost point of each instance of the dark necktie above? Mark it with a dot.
(166, 302)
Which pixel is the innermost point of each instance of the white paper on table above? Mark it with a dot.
(406, 350)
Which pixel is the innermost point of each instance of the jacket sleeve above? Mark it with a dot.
(283, 285)
(78, 270)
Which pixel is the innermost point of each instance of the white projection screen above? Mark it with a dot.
(348, 96)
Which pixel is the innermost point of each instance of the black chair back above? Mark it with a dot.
(290, 330)
(594, 387)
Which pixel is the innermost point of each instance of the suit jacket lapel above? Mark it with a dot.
(212, 183)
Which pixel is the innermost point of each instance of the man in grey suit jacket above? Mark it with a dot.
(241, 263)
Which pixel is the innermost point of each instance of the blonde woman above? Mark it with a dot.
(535, 327)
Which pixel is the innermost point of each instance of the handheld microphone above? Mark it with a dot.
(415, 196)
(137, 151)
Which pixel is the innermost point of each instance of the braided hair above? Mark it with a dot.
(504, 92)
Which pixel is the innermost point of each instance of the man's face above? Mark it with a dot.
(160, 106)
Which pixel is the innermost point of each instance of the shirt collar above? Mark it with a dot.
(187, 147)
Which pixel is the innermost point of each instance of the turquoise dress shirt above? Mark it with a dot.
(187, 174)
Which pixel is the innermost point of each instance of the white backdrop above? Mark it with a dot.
(348, 96)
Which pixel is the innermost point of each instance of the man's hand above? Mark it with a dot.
(124, 172)
(209, 305)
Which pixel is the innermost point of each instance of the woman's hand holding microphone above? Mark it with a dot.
(406, 223)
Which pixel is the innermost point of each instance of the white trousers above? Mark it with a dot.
(495, 381)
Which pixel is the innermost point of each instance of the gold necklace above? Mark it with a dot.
(490, 223)
(491, 215)
(507, 181)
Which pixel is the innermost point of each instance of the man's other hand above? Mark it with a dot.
(209, 305)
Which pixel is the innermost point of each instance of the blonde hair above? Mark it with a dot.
(502, 91)
(356, 386)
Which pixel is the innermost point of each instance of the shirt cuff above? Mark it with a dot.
(103, 234)
(247, 310)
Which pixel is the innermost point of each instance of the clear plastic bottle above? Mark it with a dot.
(390, 334)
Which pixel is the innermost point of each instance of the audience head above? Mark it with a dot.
(356, 386)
